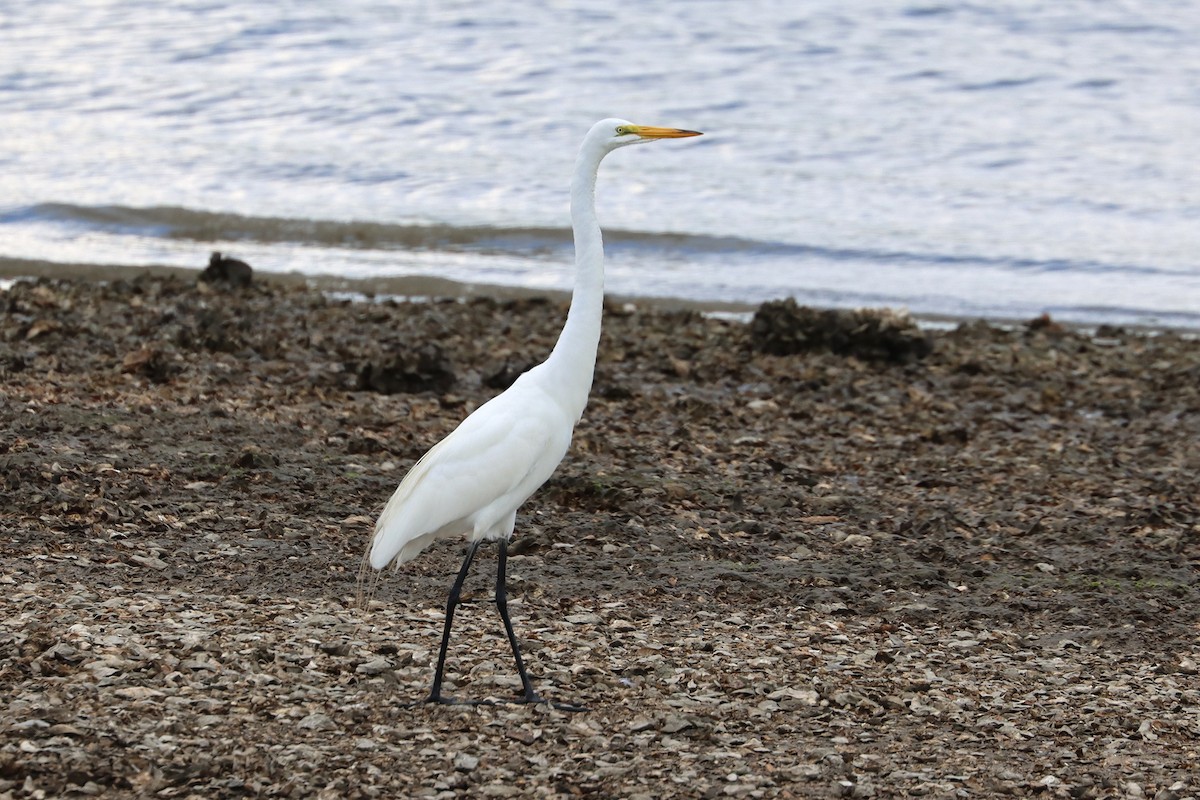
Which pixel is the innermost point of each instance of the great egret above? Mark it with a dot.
(473, 481)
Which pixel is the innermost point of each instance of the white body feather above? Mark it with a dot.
(473, 481)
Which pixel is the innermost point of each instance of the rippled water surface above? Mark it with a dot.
(997, 159)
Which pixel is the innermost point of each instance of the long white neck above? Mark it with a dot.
(573, 360)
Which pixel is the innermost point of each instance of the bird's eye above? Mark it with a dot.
(622, 130)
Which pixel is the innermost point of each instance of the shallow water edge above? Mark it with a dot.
(419, 287)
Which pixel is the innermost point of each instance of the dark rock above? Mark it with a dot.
(212, 331)
(222, 269)
(254, 457)
(366, 442)
(149, 362)
(782, 327)
(427, 370)
(505, 375)
(1045, 323)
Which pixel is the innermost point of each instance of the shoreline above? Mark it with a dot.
(405, 287)
(421, 287)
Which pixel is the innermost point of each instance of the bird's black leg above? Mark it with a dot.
(529, 695)
(435, 696)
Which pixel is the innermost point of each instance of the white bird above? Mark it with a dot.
(473, 481)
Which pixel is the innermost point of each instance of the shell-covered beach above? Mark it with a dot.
(967, 569)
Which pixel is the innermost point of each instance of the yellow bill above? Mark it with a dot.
(652, 132)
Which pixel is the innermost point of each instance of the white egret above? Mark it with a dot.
(473, 481)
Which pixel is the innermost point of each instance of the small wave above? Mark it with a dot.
(928, 11)
(1001, 83)
(209, 226)
(525, 242)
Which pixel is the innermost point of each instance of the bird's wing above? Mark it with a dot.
(476, 477)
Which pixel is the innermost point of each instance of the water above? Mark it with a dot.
(995, 159)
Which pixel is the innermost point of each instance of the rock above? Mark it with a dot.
(426, 370)
(138, 693)
(784, 328)
(150, 362)
(1046, 324)
(317, 722)
(153, 562)
(373, 667)
(225, 270)
(503, 376)
(254, 457)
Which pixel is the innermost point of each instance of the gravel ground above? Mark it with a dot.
(966, 572)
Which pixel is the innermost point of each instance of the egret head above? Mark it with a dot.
(613, 133)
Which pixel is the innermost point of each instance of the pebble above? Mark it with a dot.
(374, 667)
(317, 722)
(153, 562)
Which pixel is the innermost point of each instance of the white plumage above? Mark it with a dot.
(473, 481)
